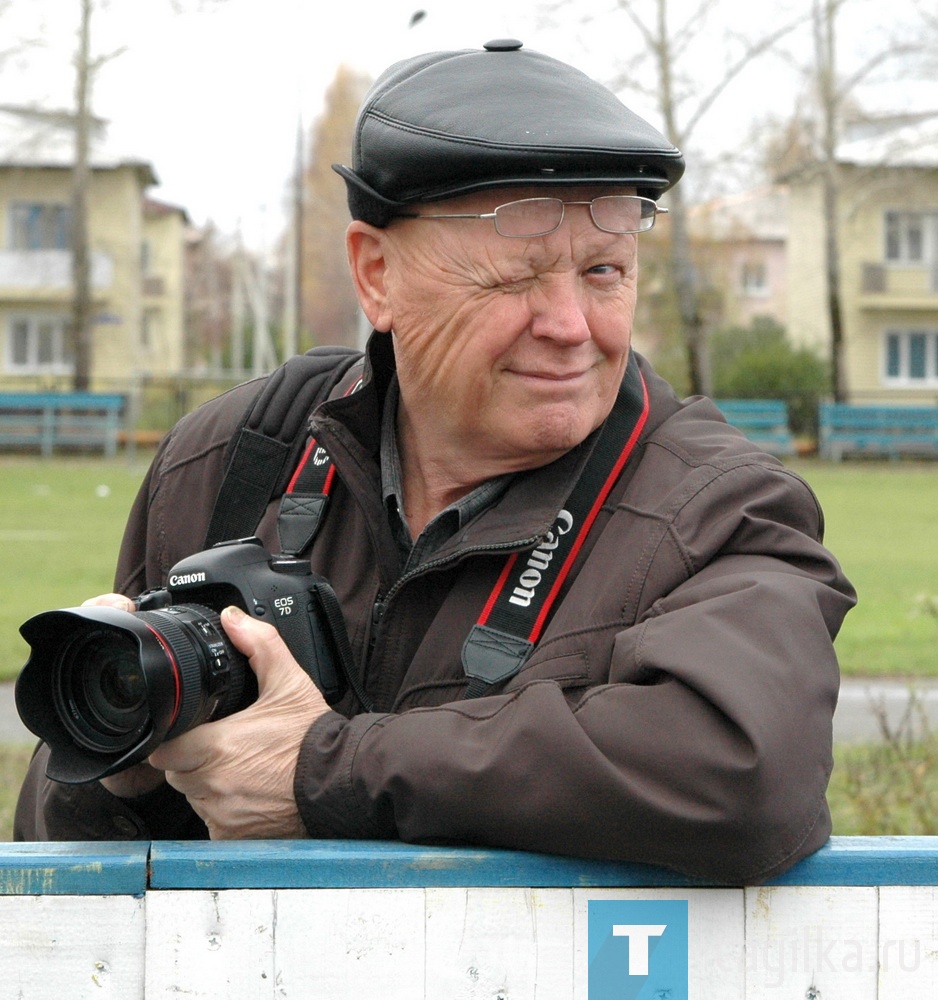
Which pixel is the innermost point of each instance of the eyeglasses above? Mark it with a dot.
(615, 213)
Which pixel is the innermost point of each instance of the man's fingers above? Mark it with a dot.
(262, 645)
(118, 601)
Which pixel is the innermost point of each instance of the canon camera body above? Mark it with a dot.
(103, 688)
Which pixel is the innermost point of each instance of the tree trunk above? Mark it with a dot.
(824, 12)
(693, 331)
(693, 328)
(82, 329)
(833, 287)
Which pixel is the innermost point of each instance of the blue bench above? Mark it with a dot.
(879, 431)
(51, 420)
(763, 421)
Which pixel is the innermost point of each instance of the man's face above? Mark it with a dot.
(509, 351)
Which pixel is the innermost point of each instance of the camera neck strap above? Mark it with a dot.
(519, 605)
(264, 448)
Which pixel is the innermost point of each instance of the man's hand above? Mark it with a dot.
(237, 773)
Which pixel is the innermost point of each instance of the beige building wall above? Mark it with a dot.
(138, 317)
(807, 318)
(878, 296)
(116, 226)
(161, 345)
(739, 247)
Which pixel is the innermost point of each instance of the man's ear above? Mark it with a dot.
(366, 247)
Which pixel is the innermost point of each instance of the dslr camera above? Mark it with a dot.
(103, 688)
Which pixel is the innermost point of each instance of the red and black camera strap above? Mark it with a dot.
(519, 605)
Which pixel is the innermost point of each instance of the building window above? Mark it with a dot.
(911, 237)
(150, 329)
(753, 279)
(39, 226)
(38, 345)
(911, 358)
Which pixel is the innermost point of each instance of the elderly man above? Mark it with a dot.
(586, 618)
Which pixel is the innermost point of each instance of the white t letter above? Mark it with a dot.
(638, 935)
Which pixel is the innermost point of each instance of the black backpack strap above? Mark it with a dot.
(270, 437)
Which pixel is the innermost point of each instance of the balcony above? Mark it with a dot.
(882, 286)
(48, 271)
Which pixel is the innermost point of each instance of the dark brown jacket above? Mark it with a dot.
(676, 711)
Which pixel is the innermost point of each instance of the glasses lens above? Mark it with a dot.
(623, 213)
(529, 217)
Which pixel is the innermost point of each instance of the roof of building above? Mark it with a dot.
(909, 140)
(154, 208)
(32, 137)
(760, 214)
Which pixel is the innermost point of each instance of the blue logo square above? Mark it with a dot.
(637, 949)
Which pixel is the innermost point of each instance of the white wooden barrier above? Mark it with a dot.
(336, 919)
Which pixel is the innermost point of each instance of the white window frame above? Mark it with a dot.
(754, 279)
(55, 222)
(61, 363)
(897, 227)
(903, 338)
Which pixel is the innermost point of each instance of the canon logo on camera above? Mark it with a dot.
(186, 578)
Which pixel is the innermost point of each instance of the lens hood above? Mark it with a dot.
(84, 746)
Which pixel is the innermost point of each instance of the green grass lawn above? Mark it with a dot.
(882, 524)
(61, 522)
(874, 791)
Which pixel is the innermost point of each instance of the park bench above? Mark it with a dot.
(56, 420)
(763, 421)
(878, 431)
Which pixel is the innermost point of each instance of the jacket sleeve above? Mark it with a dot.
(705, 747)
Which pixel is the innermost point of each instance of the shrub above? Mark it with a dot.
(761, 363)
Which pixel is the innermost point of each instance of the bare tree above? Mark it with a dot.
(82, 325)
(682, 107)
(329, 306)
(815, 134)
(823, 21)
(82, 318)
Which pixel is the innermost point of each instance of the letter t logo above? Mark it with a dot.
(637, 949)
(638, 935)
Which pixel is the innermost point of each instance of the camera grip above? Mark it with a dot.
(300, 628)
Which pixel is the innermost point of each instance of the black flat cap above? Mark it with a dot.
(449, 123)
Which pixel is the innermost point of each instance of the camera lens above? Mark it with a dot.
(114, 684)
(212, 678)
(157, 675)
(101, 693)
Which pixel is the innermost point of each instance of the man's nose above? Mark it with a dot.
(558, 313)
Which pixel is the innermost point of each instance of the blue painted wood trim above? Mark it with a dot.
(132, 868)
(74, 869)
(868, 861)
(370, 864)
(366, 864)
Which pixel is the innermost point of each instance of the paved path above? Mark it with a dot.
(862, 704)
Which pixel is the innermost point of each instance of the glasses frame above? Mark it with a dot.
(493, 215)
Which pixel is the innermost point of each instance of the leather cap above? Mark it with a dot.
(450, 123)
